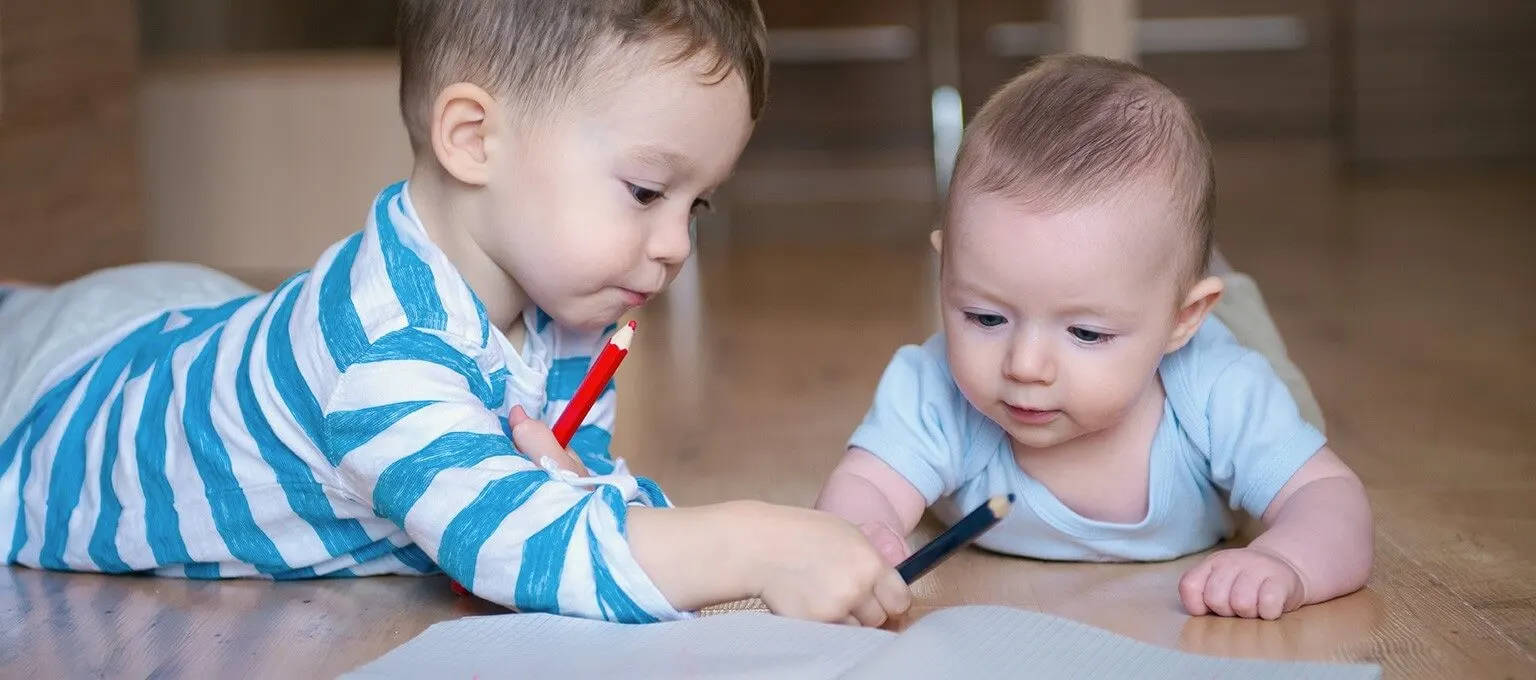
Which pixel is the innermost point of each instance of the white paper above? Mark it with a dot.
(961, 642)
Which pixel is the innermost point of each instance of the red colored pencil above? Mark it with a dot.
(592, 386)
(603, 368)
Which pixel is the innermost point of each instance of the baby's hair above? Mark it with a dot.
(538, 54)
(1070, 129)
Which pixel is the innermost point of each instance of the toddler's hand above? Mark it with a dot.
(820, 567)
(1245, 582)
(535, 440)
(885, 539)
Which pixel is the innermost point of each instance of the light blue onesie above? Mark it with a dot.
(1231, 436)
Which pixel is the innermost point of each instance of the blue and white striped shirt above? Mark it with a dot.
(352, 422)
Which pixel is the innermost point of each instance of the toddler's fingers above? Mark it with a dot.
(892, 547)
(1192, 588)
(1218, 591)
(1245, 594)
(536, 441)
(893, 594)
(869, 613)
(1272, 597)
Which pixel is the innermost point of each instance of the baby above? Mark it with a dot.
(1080, 367)
(385, 412)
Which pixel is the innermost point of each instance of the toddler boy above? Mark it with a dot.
(385, 412)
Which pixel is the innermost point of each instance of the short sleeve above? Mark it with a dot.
(1258, 437)
(916, 423)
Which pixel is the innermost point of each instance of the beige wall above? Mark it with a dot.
(69, 182)
(254, 165)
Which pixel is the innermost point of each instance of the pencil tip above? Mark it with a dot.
(1000, 505)
(625, 336)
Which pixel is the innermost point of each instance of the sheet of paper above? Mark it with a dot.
(737, 645)
(1005, 642)
(962, 642)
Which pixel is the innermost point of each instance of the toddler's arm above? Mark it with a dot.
(411, 429)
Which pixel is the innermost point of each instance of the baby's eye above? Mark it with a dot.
(642, 195)
(701, 204)
(985, 320)
(1090, 337)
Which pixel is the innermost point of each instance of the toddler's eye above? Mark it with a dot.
(642, 195)
(985, 320)
(1086, 336)
(701, 204)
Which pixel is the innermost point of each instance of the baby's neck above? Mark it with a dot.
(448, 212)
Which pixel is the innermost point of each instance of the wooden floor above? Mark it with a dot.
(1407, 299)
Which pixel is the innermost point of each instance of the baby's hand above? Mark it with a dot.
(1244, 582)
(820, 567)
(535, 440)
(885, 539)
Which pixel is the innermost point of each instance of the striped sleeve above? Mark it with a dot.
(410, 429)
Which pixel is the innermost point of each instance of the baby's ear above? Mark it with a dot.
(936, 237)
(1196, 305)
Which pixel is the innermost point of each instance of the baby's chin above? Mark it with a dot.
(1059, 432)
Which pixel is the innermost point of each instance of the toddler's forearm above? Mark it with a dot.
(1326, 532)
(699, 556)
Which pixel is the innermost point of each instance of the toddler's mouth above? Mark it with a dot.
(636, 298)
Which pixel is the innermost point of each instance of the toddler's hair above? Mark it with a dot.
(537, 54)
(1070, 129)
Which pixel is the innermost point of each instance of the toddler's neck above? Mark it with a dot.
(449, 214)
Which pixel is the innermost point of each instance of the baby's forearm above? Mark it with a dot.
(856, 499)
(1326, 532)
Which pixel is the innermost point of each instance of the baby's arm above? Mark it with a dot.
(907, 451)
(870, 494)
(1318, 546)
(1321, 524)
(1318, 541)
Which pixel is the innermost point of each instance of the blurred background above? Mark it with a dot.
(247, 133)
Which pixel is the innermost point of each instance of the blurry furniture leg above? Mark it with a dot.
(948, 116)
(1106, 28)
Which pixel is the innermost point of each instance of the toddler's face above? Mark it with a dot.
(594, 215)
(1056, 323)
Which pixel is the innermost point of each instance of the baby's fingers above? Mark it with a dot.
(1272, 597)
(1245, 594)
(1192, 588)
(1218, 590)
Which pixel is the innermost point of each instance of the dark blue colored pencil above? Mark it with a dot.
(968, 529)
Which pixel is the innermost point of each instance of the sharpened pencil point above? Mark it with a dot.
(624, 336)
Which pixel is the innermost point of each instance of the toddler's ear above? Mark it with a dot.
(1196, 305)
(463, 122)
(936, 237)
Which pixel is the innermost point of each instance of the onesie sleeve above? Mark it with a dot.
(1258, 438)
(410, 429)
(916, 423)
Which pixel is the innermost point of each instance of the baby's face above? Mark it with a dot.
(1056, 323)
(593, 214)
